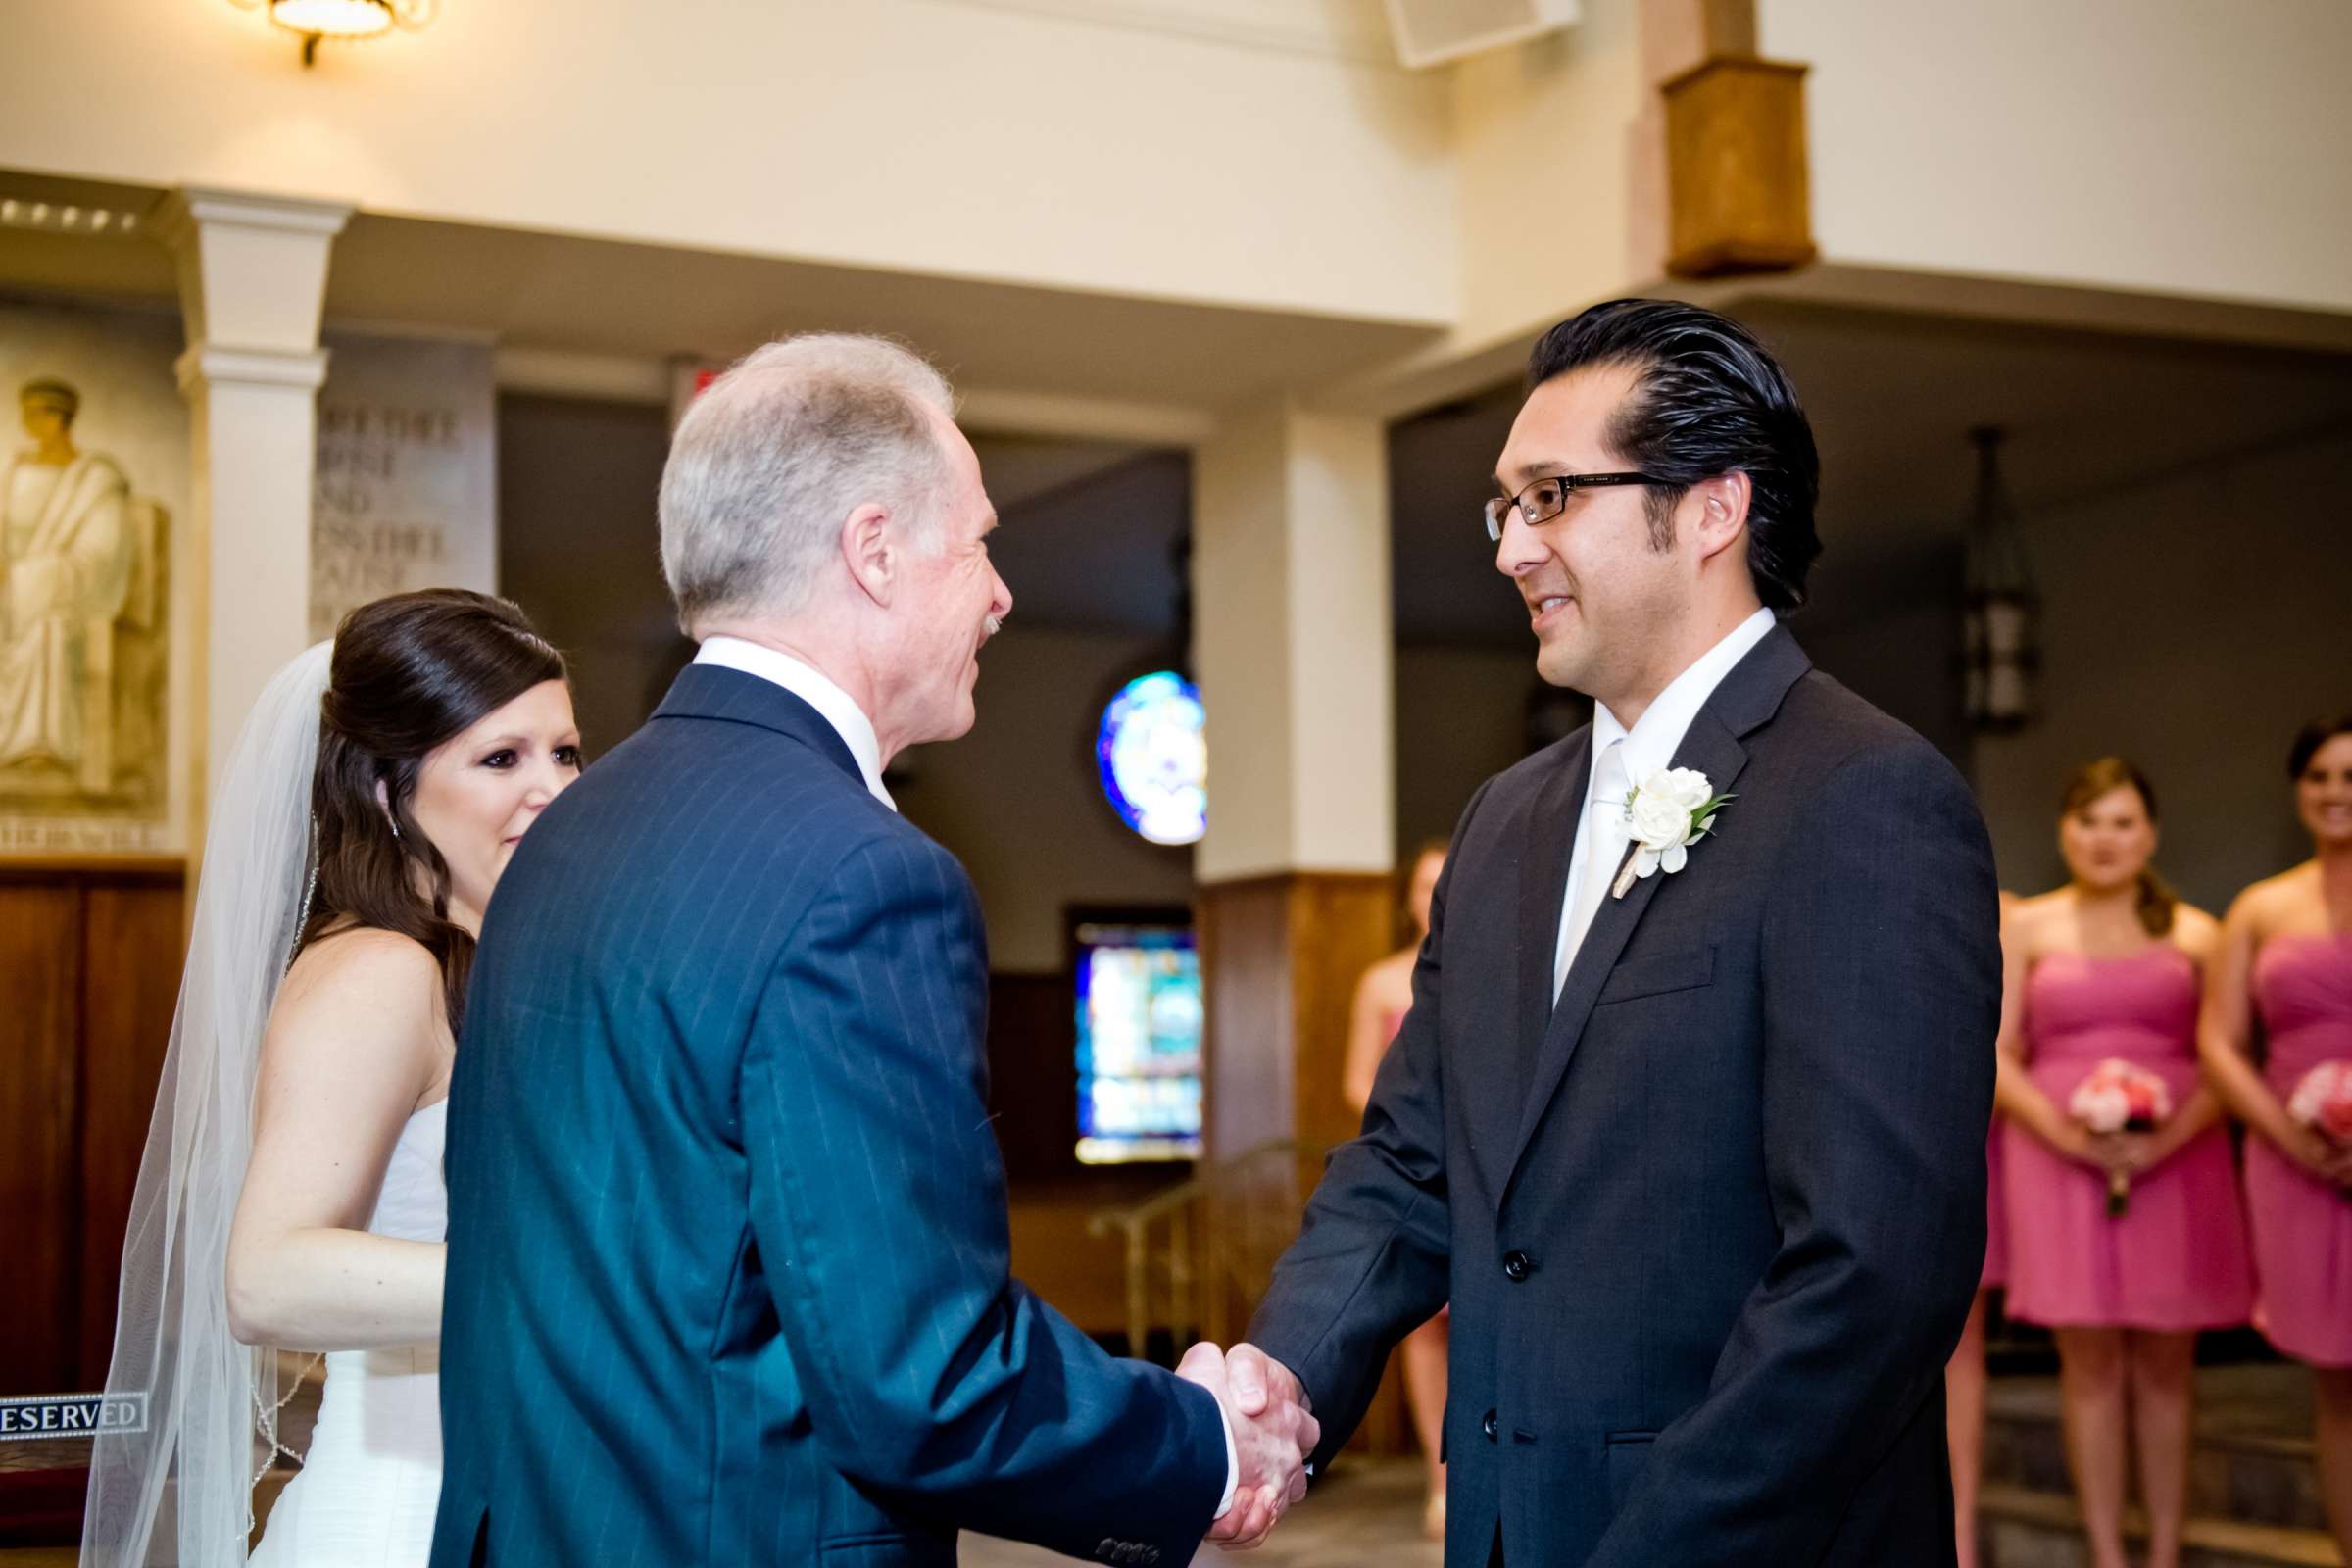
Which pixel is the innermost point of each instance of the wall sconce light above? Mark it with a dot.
(314, 19)
(2001, 613)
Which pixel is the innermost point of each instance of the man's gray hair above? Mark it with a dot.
(773, 457)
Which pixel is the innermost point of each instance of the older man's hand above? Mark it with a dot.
(1273, 1434)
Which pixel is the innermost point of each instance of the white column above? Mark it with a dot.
(1292, 648)
(1293, 644)
(253, 286)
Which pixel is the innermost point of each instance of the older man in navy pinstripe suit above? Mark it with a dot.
(727, 1273)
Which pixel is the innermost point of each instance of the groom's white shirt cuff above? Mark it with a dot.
(1233, 1466)
(814, 687)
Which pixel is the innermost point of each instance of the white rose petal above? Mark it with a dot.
(1659, 822)
(1659, 816)
(1686, 787)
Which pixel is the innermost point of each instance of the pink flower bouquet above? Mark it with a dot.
(2323, 1102)
(2120, 1097)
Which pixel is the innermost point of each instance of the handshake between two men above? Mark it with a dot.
(1274, 1436)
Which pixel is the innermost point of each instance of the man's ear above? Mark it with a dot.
(1723, 503)
(868, 551)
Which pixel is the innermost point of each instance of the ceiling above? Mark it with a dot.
(607, 297)
(1091, 525)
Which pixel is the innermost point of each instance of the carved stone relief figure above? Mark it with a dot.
(82, 607)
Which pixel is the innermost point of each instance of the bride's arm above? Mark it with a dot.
(355, 1039)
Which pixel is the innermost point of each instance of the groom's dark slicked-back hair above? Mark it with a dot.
(1708, 400)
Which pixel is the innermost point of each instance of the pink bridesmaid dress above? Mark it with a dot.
(2302, 1225)
(2177, 1259)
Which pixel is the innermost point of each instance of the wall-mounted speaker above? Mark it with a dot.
(1429, 32)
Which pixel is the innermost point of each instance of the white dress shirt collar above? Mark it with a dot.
(814, 687)
(1658, 733)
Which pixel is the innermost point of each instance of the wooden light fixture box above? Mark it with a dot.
(1738, 200)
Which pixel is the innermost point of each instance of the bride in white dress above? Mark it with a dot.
(291, 1196)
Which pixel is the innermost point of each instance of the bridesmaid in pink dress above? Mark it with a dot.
(1382, 997)
(2111, 966)
(1964, 1374)
(2287, 959)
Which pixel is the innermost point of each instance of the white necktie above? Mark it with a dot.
(1604, 835)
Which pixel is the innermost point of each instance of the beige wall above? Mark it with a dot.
(1291, 642)
(1542, 133)
(2193, 626)
(1216, 151)
(922, 136)
(1017, 799)
(2173, 146)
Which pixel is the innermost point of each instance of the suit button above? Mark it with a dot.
(1487, 1425)
(1517, 1265)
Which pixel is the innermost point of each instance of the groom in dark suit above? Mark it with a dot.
(1688, 1118)
(727, 1244)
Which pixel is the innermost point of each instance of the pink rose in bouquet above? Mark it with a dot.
(2323, 1102)
(2120, 1097)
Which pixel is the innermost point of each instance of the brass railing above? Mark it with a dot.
(1205, 1247)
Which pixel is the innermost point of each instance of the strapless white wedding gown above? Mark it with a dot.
(371, 1480)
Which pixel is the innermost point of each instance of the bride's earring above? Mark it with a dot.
(383, 804)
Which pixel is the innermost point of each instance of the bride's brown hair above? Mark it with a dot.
(409, 672)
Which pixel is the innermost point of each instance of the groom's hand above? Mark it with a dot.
(1256, 1378)
(1272, 1436)
(1259, 1384)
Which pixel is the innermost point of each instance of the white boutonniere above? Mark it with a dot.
(1669, 811)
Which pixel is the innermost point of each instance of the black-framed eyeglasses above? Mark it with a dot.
(1542, 499)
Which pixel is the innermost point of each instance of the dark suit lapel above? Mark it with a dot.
(1548, 834)
(1748, 696)
(1557, 819)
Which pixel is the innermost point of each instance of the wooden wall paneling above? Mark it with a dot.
(132, 947)
(1083, 1276)
(1340, 925)
(40, 996)
(1244, 937)
(1281, 957)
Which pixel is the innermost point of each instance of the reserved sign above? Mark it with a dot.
(70, 1415)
